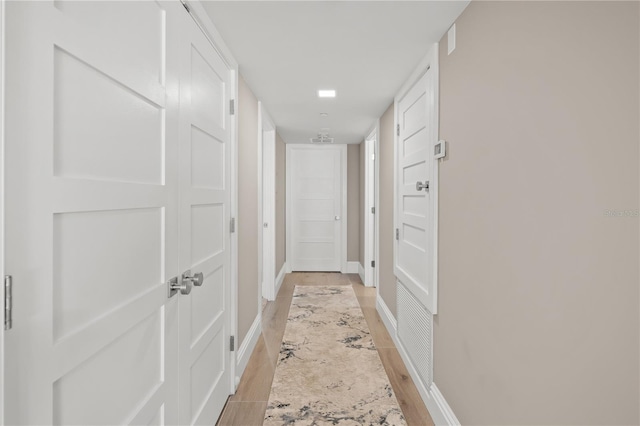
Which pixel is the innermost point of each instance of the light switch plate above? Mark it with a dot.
(451, 39)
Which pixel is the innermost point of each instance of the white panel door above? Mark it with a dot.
(205, 135)
(91, 212)
(316, 180)
(414, 215)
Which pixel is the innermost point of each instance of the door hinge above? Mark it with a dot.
(232, 343)
(397, 234)
(232, 225)
(373, 210)
(398, 130)
(186, 6)
(373, 263)
(8, 302)
(232, 106)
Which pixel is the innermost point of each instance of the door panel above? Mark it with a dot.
(205, 198)
(316, 206)
(414, 245)
(91, 217)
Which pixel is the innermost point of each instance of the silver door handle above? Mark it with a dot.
(337, 217)
(196, 279)
(420, 186)
(184, 286)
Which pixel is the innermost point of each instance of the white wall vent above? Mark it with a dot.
(415, 331)
(321, 140)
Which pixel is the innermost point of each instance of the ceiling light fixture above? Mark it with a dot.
(326, 93)
(324, 114)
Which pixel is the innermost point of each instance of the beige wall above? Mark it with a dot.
(353, 202)
(538, 291)
(248, 286)
(387, 284)
(362, 201)
(281, 227)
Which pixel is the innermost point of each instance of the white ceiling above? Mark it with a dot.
(287, 50)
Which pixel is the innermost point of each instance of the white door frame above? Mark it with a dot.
(428, 64)
(2, 192)
(266, 205)
(343, 217)
(204, 22)
(371, 219)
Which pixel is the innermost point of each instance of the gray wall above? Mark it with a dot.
(248, 286)
(281, 193)
(538, 292)
(387, 284)
(353, 202)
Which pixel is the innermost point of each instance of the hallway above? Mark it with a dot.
(248, 405)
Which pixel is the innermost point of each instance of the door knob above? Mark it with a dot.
(420, 186)
(184, 286)
(337, 217)
(196, 279)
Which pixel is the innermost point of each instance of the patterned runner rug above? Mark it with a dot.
(329, 371)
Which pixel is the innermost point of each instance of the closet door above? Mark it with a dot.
(205, 197)
(91, 212)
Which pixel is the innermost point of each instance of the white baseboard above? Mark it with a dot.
(387, 318)
(280, 278)
(352, 267)
(441, 412)
(361, 272)
(248, 344)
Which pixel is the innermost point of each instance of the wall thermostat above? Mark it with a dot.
(439, 149)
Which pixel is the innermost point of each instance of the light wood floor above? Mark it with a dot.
(247, 407)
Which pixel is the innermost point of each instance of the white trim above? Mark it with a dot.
(266, 205)
(361, 272)
(387, 318)
(248, 345)
(233, 323)
(444, 409)
(2, 192)
(343, 220)
(440, 411)
(353, 267)
(280, 278)
(372, 274)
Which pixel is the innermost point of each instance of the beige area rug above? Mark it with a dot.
(329, 371)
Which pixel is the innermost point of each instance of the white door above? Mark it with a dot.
(316, 188)
(370, 213)
(268, 197)
(414, 265)
(205, 196)
(91, 217)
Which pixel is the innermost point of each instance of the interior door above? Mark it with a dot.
(205, 130)
(414, 216)
(316, 206)
(91, 218)
(268, 212)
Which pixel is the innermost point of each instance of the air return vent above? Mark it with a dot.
(415, 326)
(321, 140)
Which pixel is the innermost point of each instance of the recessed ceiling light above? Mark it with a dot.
(324, 114)
(326, 93)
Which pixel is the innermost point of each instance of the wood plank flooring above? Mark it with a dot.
(247, 407)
